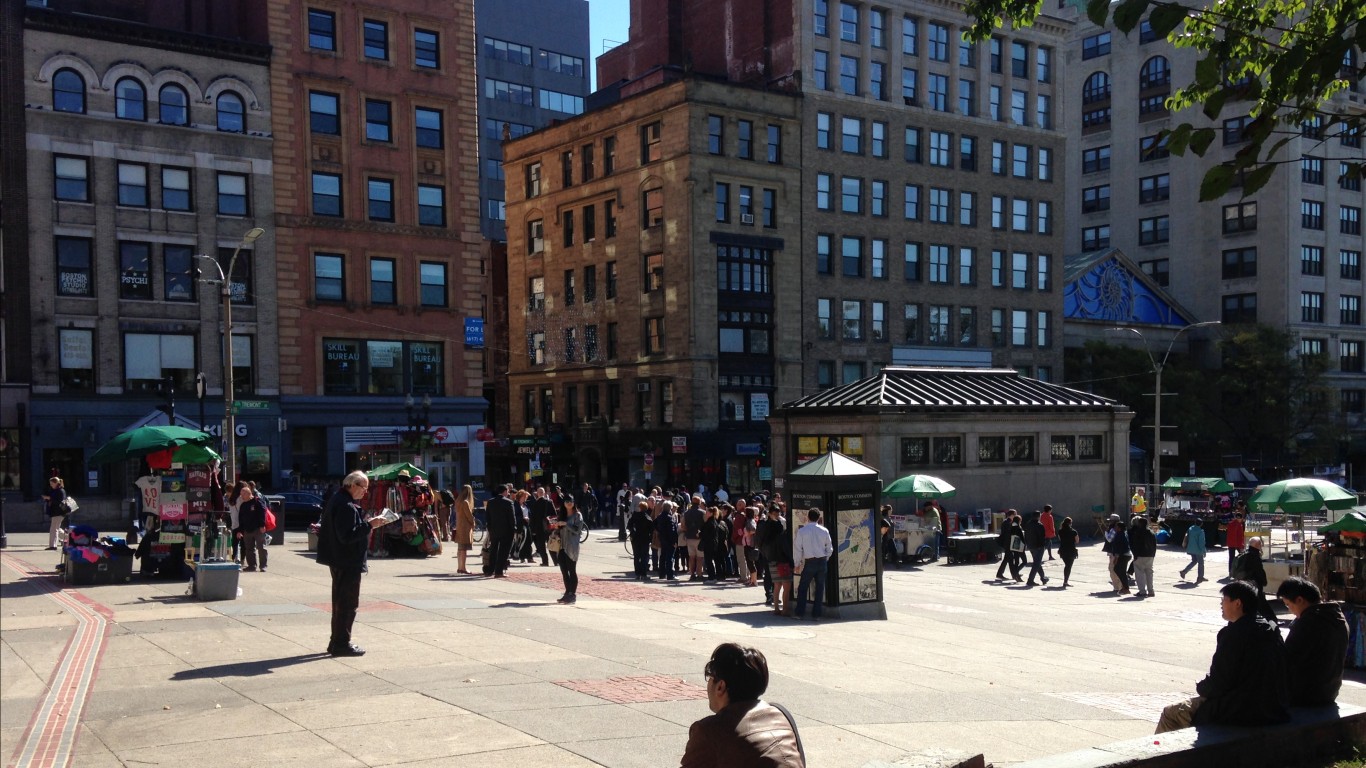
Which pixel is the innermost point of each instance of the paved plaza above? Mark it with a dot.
(467, 671)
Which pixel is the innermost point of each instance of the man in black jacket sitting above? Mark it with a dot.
(1316, 648)
(1246, 683)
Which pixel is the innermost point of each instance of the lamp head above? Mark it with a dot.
(251, 235)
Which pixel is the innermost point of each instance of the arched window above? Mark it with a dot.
(231, 115)
(174, 105)
(68, 91)
(1156, 73)
(130, 100)
(1097, 88)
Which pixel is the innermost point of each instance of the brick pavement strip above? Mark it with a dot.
(612, 589)
(637, 690)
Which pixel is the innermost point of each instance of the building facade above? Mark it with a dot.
(653, 278)
(1288, 255)
(377, 231)
(149, 153)
(533, 68)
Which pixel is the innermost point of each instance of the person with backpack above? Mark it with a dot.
(1194, 544)
(1249, 568)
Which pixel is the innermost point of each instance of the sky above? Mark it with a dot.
(607, 20)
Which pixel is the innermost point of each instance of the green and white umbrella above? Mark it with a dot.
(919, 487)
(1301, 496)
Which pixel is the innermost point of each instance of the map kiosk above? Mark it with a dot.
(847, 491)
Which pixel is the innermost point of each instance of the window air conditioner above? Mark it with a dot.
(746, 218)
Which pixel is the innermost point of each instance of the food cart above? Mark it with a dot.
(914, 541)
(1188, 501)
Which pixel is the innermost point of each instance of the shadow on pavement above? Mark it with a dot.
(523, 605)
(247, 668)
(758, 619)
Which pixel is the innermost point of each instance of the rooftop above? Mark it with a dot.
(951, 389)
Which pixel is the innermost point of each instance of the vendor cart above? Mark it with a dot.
(973, 547)
(913, 542)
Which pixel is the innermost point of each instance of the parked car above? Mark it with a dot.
(300, 508)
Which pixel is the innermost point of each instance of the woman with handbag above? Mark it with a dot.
(54, 506)
(464, 528)
(567, 530)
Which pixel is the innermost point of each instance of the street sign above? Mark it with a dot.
(251, 405)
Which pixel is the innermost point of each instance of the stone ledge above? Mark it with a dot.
(1312, 736)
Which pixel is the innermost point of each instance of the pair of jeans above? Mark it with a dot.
(345, 601)
(569, 572)
(1036, 565)
(813, 572)
(1121, 572)
(1197, 562)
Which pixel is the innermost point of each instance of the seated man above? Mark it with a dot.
(744, 731)
(1316, 648)
(1246, 682)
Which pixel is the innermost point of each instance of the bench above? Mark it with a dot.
(1311, 737)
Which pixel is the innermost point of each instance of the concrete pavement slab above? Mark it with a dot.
(277, 749)
(634, 752)
(565, 726)
(518, 757)
(396, 743)
(347, 708)
(171, 726)
(499, 698)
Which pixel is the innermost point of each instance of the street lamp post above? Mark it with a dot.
(419, 425)
(1157, 396)
(229, 417)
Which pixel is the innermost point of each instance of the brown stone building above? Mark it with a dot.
(653, 283)
(377, 229)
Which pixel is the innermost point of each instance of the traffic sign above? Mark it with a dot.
(251, 405)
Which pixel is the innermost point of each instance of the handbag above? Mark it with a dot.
(1017, 544)
(69, 505)
(409, 525)
(270, 519)
(553, 542)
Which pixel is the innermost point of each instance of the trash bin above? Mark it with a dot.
(216, 581)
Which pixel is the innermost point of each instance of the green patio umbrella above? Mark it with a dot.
(390, 471)
(919, 487)
(139, 442)
(1301, 496)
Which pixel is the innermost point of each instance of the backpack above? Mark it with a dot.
(447, 498)
(1240, 571)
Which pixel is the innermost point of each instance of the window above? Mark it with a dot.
(1236, 130)
(567, 227)
(1349, 264)
(133, 185)
(135, 270)
(1159, 270)
(998, 212)
(1311, 260)
(1153, 189)
(823, 263)
(1095, 199)
(650, 142)
(1019, 59)
(1349, 358)
(967, 209)
(998, 157)
(232, 194)
(1152, 148)
(1043, 278)
(1043, 67)
(567, 169)
(910, 36)
(967, 54)
(382, 367)
(994, 102)
(76, 362)
(850, 372)
(910, 327)
(824, 321)
(1156, 73)
(911, 262)
(1043, 338)
(323, 115)
(849, 22)
(877, 80)
(71, 178)
(939, 205)
(654, 272)
(1240, 262)
(1240, 308)
(426, 49)
(173, 105)
(378, 121)
(937, 327)
(1311, 214)
(1311, 307)
(715, 134)
(1240, 217)
(1019, 215)
(1019, 161)
(68, 91)
(130, 100)
(938, 42)
(879, 259)
(877, 205)
(1095, 159)
(967, 98)
(910, 81)
(851, 135)
(1311, 170)
(877, 327)
(535, 236)
(179, 272)
(912, 142)
(1095, 46)
(590, 284)
(938, 271)
(967, 153)
(823, 184)
(1349, 310)
(1154, 230)
(940, 152)
(653, 207)
(1044, 215)
(820, 70)
(512, 93)
(556, 101)
(427, 127)
(431, 205)
(231, 113)
(327, 196)
(240, 280)
(1043, 111)
(878, 139)
(851, 325)
(322, 30)
(432, 277)
(379, 194)
(150, 359)
(1349, 220)
(849, 75)
(1095, 238)
(1348, 178)
(1019, 328)
(382, 285)
(609, 155)
(775, 144)
(376, 34)
(536, 294)
(1018, 101)
(654, 336)
(560, 63)
(877, 23)
(609, 218)
(851, 195)
(590, 353)
(851, 256)
(916, 451)
(1044, 156)
(1019, 271)
(329, 282)
(938, 92)
(1353, 400)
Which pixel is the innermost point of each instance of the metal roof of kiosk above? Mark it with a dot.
(833, 464)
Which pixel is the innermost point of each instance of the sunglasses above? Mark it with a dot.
(707, 673)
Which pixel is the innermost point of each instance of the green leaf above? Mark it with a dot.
(1214, 104)
(1165, 18)
(1177, 138)
(1098, 11)
(1216, 182)
(1128, 13)
(1258, 178)
(1201, 139)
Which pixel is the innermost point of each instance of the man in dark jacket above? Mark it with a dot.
(1246, 684)
(744, 731)
(502, 527)
(1316, 648)
(1249, 567)
(542, 512)
(343, 540)
(1143, 544)
(1036, 539)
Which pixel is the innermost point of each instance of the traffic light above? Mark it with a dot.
(763, 448)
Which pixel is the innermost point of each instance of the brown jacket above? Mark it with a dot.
(746, 734)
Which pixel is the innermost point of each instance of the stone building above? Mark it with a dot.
(377, 231)
(653, 282)
(149, 144)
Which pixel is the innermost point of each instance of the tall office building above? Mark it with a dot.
(1288, 255)
(533, 68)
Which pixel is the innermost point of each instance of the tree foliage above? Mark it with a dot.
(1288, 57)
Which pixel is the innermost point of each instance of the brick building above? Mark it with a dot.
(377, 228)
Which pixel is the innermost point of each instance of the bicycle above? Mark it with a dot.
(480, 527)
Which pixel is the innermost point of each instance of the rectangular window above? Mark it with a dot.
(324, 113)
(824, 319)
(877, 205)
(967, 209)
(715, 134)
(1019, 215)
(967, 98)
(744, 139)
(1239, 308)
(851, 195)
(1152, 189)
(232, 194)
(938, 326)
(654, 272)
(998, 158)
(379, 194)
(877, 330)
(940, 152)
(1019, 101)
(327, 194)
(938, 42)
(911, 262)
(849, 22)
(939, 206)
(376, 39)
(851, 324)
(1311, 307)
(433, 284)
(1348, 177)
(878, 139)
(426, 49)
(654, 335)
(651, 138)
(1311, 214)
(1349, 220)
(851, 256)
(382, 286)
(610, 280)
(150, 359)
(431, 205)
(1311, 170)
(877, 80)
(378, 121)
(823, 192)
(512, 93)
(536, 294)
(910, 83)
(1349, 357)
(590, 223)
(910, 328)
(570, 283)
(967, 326)
(567, 227)
(72, 178)
(1094, 199)
(775, 144)
(849, 75)
(1095, 46)
(820, 70)
(1349, 264)
(1349, 310)
(560, 63)
(967, 153)
(322, 30)
(1236, 130)
(1240, 217)
(1019, 328)
(770, 217)
(998, 212)
(1019, 161)
(824, 266)
(535, 236)
(329, 282)
(939, 264)
(556, 101)
(1095, 159)
(135, 270)
(912, 145)
(1241, 262)
(427, 126)
(851, 135)
(998, 327)
(1152, 148)
(240, 281)
(1095, 238)
(1044, 156)
(1311, 260)
(175, 189)
(133, 185)
(1043, 274)
(652, 206)
(179, 272)
(76, 361)
(1154, 230)
(937, 91)
(994, 103)
(910, 36)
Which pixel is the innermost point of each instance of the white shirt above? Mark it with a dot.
(812, 540)
(721, 496)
